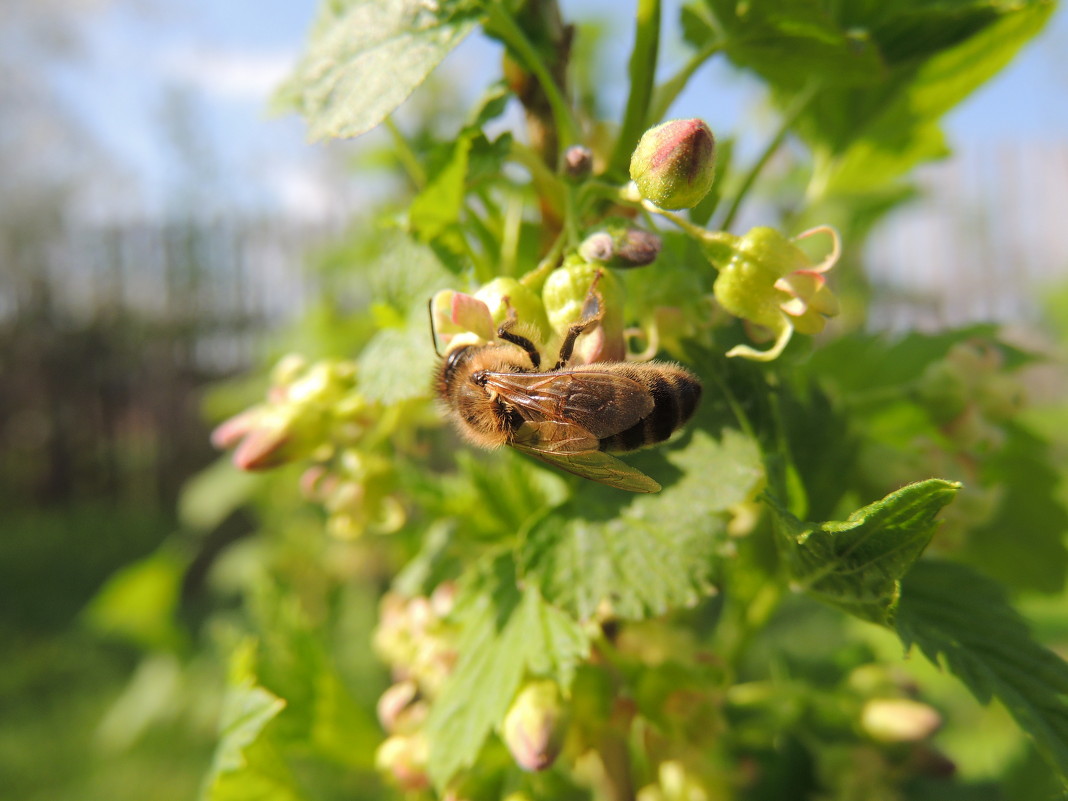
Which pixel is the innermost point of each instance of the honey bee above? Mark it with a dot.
(571, 416)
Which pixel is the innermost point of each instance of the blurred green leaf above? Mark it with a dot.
(857, 565)
(645, 554)
(962, 621)
(866, 365)
(1024, 544)
(247, 766)
(884, 73)
(140, 602)
(789, 42)
(506, 634)
(214, 493)
(441, 201)
(397, 365)
(366, 56)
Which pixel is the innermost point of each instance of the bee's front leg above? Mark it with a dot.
(505, 333)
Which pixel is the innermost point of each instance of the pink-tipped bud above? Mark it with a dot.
(267, 444)
(400, 709)
(231, 431)
(577, 162)
(675, 163)
(535, 725)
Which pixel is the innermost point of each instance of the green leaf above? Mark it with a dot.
(866, 365)
(1023, 545)
(216, 492)
(397, 365)
(789, 43)
(440, 203)
(140, 602)
(962, 621)
(857, 565)
(367, 56)
(885, 73)
(246, 766)
(507, 633)
(644, 554)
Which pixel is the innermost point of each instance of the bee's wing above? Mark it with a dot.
(572, 448)
(601, 402)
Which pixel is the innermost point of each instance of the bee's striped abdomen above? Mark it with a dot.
(676, 394)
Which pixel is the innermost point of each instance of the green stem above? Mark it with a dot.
(505, 26)
(642, 72)
(547, 184)
(789, 118)
(671, 88)
(535, 279)
(406, 155)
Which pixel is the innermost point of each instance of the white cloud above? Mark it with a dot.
(231, 74)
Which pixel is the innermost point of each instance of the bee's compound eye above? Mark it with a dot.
(455, 358)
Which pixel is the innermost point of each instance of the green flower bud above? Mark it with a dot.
(675, 163)
(565, 295)
(535, 725)
(502, 294)
(899, 720)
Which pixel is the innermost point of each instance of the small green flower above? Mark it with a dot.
(768, 280)
(567, 295)
(674, 164)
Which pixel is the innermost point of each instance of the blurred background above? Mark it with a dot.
(159, 227)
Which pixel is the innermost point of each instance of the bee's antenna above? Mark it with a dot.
(433, 333)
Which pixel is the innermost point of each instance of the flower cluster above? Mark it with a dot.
(414, 638)
(316, 413)
(565, 299)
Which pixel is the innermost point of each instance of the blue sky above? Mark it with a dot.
(213, 65)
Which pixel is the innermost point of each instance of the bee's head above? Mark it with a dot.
(452, 361)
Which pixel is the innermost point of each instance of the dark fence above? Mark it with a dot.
(108, 336)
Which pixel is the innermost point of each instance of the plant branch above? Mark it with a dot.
(642, 74)
(505, 26)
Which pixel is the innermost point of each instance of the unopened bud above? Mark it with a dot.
(269, 443)
(535, 725)
(597, 247)
(231, 431)
(578, 162)
(399, 708)
(899, 720)
(675, 163)
(621, 246)
(504, 296)
(636, 248)
(403, 757)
